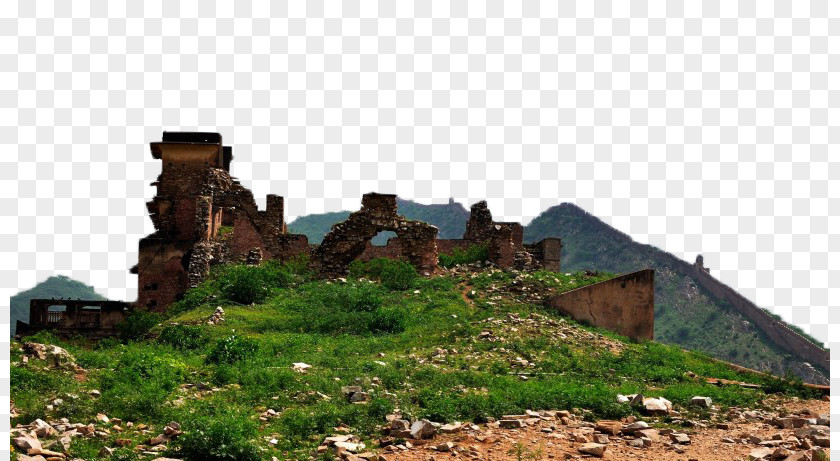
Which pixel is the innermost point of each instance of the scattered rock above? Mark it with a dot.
(451, 428)
(657, 406)
(511, 423)
(217, 317)
(608, 427)
(760, 453)
(301, 367)
(594, 449)
(422, 429)
(682, 439)
(55, 356)
(26, 442)
(702, 402)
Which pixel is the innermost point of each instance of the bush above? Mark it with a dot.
(394, 274)
(218, 438)
(363, 298)
(183, 336)
(398, 276)
(244, 284)
(141, 379)
(387, 320)
(471, 254)
(232, 349)
(137, 324)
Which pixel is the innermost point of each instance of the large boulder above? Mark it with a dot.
(593, 449)
(423, 429)
(55, 356)
(702, 402)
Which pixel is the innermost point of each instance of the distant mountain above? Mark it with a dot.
(57, 286)
(450, 219)
(685, 313)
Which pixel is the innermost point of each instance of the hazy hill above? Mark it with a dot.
(57, 286)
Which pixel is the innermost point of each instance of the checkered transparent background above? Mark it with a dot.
(698, 127)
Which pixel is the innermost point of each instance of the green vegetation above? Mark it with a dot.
(394, 275)
(137, 324)
(183, 336)
(59, 286)
(215, 380)
(472, 254)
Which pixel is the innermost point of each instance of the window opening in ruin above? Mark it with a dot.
(381, 239)
(55, 313)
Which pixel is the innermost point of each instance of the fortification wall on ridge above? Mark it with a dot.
(777, 331)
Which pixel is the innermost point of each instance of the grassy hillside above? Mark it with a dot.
(450, 219)
(686, 314)
(58, 286)
(463, 346)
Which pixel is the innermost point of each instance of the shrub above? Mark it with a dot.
(141, 379)
(387, 320)
(218, 438)
(364, 298)
(394, 274)
(137, 324)
(183, 336)
(398, 276)
(244, 284)
(232, 349)
(471, 254)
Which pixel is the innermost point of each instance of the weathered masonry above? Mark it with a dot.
(203, 216)
(623, 304)
(92, 318)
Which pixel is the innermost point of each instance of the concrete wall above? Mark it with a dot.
(623, 304)
(778, 332)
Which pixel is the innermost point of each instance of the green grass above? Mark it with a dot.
(353, 332)
(472, 254)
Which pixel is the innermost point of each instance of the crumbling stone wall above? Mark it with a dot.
(348, 239)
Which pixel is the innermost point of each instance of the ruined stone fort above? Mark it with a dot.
(203, 217)
(197, 199)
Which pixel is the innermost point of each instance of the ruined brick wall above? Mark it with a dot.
(447, 246)
(196, 196)
(391, 250)
(348, 239)
(546, 253)
(77, 317)
(623, 304)
(777, 331)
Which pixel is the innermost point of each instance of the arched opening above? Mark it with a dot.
(381, 239)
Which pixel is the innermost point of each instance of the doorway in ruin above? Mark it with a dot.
(381, 239)
(349, 239)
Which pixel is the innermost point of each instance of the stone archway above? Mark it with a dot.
(347, 239)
